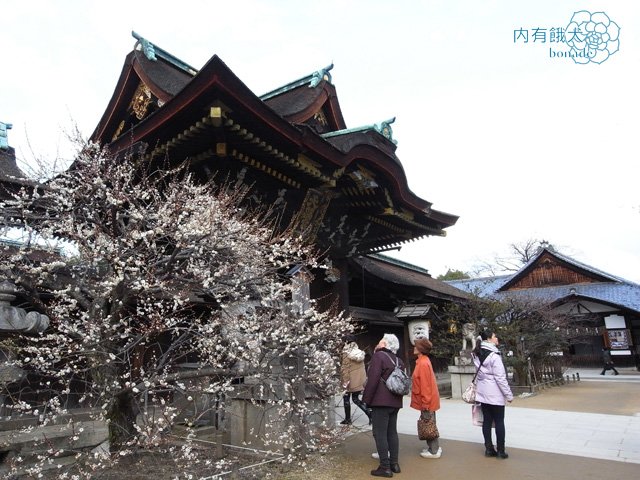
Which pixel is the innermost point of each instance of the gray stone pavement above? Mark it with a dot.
(589, 427)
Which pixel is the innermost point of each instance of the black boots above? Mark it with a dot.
(501, 453)
(347, 414)
(490, 452)
(395, 468)
(382, 472)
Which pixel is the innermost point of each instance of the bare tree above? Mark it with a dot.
(535, 336)
(519, 254)
(528, 330)
(153, 273)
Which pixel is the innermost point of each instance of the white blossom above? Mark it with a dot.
(160, 278)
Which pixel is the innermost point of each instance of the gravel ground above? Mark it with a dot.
(238, 465)
(158, 466)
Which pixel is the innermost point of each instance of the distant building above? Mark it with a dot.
(604, 310)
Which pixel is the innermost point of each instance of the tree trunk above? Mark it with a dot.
(520, 374)
(121, 416)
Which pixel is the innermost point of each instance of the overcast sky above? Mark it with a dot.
(516, 142)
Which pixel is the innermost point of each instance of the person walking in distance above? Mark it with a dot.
(425, 396)
(492, 391)
(353, 378)
(384, 404)
(608, 361)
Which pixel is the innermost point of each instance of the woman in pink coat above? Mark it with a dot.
(493, 391)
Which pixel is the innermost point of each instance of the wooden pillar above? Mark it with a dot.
(408, 350)
(342, 285)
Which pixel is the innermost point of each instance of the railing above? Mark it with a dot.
(548, 375)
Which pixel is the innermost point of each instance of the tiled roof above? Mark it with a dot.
(617, 291)
(401, 273)
(626, 295)
(483, 287)
(8, 168)
(165, 76)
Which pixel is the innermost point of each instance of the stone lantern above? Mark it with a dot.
(18, 320)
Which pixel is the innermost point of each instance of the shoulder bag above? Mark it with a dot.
(398, 382)
(469, 394)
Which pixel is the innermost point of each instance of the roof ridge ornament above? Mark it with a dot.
(312, 79)
(153, 51)
(384, 129)
(322, 74)
(147, 47)
(4, 138)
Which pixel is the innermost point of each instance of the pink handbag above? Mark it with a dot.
(476, 414)
(477, 418)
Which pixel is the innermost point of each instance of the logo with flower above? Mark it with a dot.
(592, 37)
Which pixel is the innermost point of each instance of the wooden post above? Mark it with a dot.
(299, 395)
(218, 439)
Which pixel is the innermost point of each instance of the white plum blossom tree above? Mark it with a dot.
(162, 286)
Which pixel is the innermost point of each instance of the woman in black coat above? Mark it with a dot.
(384, 405)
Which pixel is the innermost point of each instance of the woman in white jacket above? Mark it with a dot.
(492, 391)
(353, 377)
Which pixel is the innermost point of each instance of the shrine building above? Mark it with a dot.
(344, 188)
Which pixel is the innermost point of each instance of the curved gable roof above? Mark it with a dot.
(549, 268)
(312, 100)
(183, 113)
(11, 177)
(9, 169)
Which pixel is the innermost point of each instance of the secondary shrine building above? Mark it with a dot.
(343, 187)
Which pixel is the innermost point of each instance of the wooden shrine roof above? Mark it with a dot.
(9, 169)
(398, 275)
(344, 187)
(11, 177)
(552, 269)
(318, 106)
